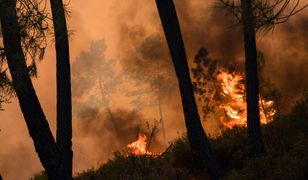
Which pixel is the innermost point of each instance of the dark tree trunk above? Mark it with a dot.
(200, 148)
(37, 124)
(64, 106)
(252, 86)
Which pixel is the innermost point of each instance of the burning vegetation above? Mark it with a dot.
(221, 92)
(139, 147)
(230, 147)
(230, 93)
(234, 103)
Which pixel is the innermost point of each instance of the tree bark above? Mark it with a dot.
(200, 148)
(252, 83)
(37, 124)
(64, 102)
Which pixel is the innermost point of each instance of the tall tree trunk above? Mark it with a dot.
(200, 148)
(64, 102)
(252, 83)
(160, 109)
(37, 124)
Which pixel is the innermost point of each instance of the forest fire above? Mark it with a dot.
(234, 104)
(139, 147)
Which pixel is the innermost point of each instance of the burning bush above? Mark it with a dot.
(233, 101)
(221, 92)
(139, 147)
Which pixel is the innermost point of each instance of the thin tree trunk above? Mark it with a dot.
(37, 124)
(160, 106)
(162, 119)
(252, 86)
(200, 148)
(64, 102)
(112, 119)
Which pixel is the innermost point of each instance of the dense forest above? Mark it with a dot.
(157, 89)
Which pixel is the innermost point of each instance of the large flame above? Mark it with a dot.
(235, 109)
(139, 147)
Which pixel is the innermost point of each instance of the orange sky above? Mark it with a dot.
(94, 20)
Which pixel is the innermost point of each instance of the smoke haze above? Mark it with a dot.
(127, 36)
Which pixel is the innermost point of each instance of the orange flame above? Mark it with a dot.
(235, 110)
(139, 147)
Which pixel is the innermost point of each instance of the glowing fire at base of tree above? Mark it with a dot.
(139, 147)
(234, 106)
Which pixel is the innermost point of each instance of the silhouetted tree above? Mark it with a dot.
(64, 101)
(200, 147)
(252, 82)
(50, 154)
(205, 83)
(267, 14)
(208, 86)
(33, 27)
(257, 15)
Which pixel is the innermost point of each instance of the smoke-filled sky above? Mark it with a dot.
(115, 103)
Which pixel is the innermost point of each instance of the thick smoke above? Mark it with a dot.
(103, 139)
(287, 56)
(108, 127)
(146, 61)
(85, 69)
(285, 47)
(204, 25)
(136, 43)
